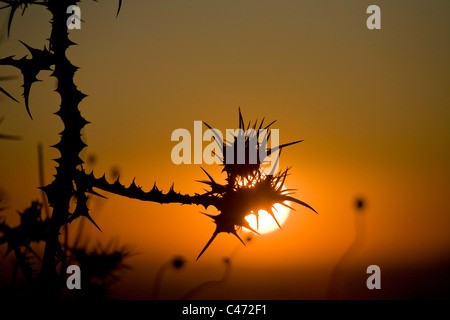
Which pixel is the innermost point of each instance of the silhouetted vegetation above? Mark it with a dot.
(247, 188)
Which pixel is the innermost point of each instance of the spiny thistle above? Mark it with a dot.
(248, 189)
(102, 263)
(64, 186)
(32, 229)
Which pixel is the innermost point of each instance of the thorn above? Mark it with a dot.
(292, 199)
(97, 194)
(247, 225)
(209, 176)
(118, 9)
(235, 233)
(274, 218)
(7, 94)
(208, 243)
(87, 215)
(209, 215)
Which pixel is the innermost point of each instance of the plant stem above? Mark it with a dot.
(60, 191)
(135, 192)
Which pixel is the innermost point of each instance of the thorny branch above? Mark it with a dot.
(247, 189)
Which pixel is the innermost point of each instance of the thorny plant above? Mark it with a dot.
(101, 264)
(247, 189)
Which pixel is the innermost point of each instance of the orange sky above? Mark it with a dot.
(372, 107)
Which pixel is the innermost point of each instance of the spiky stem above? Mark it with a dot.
(135, 192)
(60, 191)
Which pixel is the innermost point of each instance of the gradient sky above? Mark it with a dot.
(371, 106)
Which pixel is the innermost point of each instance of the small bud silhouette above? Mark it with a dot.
(360, 203)
(178, 262)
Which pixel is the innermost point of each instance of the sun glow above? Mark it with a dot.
(266, 222)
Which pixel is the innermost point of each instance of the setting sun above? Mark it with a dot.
(266, 222)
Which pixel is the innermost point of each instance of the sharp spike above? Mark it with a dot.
(254, 125)
(26, 96)
(208, 243)
(241, 120)
(274, 218)
(209, 176)
(7, 94)
(11, 15)
(287, 206)
(247, 225)
(118, 9)
(269, 151)
(266, 127)
(237, 236)
(261, 124)
(91, 220)
(97, 194)
(209, 215)
(292, 199)
(30, 49)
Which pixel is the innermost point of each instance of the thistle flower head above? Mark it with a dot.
(248, 188)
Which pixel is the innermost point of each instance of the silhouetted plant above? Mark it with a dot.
(209, 284)
(337, 278)
(32, 229)
(247, 189)
(101, 267)
(177, 263)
